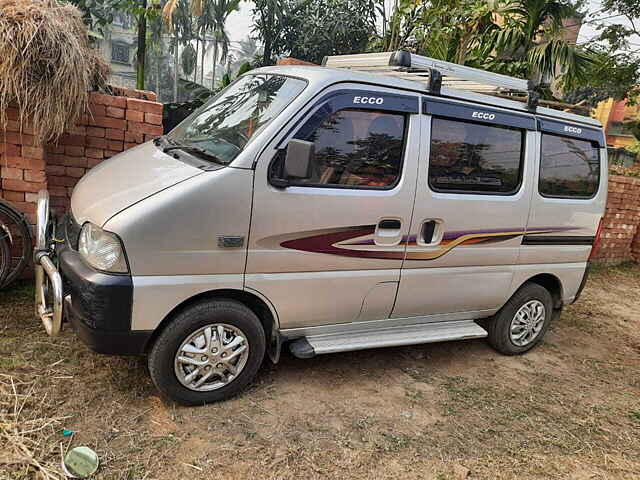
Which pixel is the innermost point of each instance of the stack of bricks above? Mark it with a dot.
(620, 223)
(112, 124)
(22, 165)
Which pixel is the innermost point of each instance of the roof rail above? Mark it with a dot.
(435, 74)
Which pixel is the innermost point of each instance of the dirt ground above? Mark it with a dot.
(568, 409)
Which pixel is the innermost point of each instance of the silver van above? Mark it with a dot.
(382, 202)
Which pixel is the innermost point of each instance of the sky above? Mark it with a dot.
(239, 23)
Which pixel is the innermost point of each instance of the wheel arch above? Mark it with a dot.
(253, 300)
(553, 285)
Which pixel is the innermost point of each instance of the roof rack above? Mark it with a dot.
(435, 74)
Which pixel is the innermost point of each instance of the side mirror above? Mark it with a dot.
(299, 159)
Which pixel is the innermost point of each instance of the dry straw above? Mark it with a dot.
(47, 67)
(28, 432)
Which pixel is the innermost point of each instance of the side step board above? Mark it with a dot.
(313, 345)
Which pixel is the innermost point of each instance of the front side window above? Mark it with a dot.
(468, 157)
(226, 123)
(569, 168)
(357, 148)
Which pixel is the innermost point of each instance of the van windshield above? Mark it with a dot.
(226, 123)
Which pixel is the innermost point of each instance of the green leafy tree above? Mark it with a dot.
(329, 27)
(272, 19)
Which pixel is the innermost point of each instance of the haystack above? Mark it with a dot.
(47, 67)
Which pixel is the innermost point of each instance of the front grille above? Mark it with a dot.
(71, 231)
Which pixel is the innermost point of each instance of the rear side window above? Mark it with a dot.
(467, 157)
(569, 167)
(357, 149)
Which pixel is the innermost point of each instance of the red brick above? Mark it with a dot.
(13, 173)
(54, 148)
(144, 128)
(111, 100)
(75, 162)
(94, 153)
(115, 112)
(133, 137)
(96, 110)
(61, 181)
(75, 172)
(12, 126)
(67, 139)
(95, 132)
(55, 159)
(148, 138)
(13, 196)
(33, 152)
(12, 113)
(135, 116)
(56, 169)
(10, 149)
(57, 191)
(25, 163)
(22, 186)
(62, 202)
(74, 151)
(18, 138)
(26, 207)
(144, 106)
(127, 145)
(114, 134)
(110, 153)
(108, 122)
(78, 130)
(92, 162)
(35, 176)
(95, 142)
(114, 145)
(153, 118)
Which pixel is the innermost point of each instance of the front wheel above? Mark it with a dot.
(209, 352)
(522, 322)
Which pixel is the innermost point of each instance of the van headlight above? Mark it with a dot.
(102, 250)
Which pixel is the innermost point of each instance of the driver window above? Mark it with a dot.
(357, 148)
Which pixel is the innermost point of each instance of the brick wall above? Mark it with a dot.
(620, 236)
(113, 123)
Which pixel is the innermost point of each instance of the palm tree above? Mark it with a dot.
(531, 38)
(219, 12)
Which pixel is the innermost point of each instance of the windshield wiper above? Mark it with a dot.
(199, 152)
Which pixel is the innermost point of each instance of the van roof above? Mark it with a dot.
(322, 77)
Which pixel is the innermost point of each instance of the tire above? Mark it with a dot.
(5, 256)
(17, 224)
(530, 297)
(236, 320)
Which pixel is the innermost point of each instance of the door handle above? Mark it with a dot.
(390, 224)
(428, 229)
(430, 233)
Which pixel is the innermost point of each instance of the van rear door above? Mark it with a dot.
(472, 203)
(568, 200)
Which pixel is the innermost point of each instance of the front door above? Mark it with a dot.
(329, 249)
(472, 203)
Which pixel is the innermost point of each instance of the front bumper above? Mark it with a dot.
(97, 304)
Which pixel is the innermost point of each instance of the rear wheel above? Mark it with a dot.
(522, 322)
(210, 352)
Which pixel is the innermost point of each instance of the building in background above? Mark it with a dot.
(614, 116)
(118, 48)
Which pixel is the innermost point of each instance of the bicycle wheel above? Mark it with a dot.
(17, 235)
(5, 255)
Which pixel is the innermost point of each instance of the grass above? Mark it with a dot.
(568, 409)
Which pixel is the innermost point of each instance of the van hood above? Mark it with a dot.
(125, 179)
